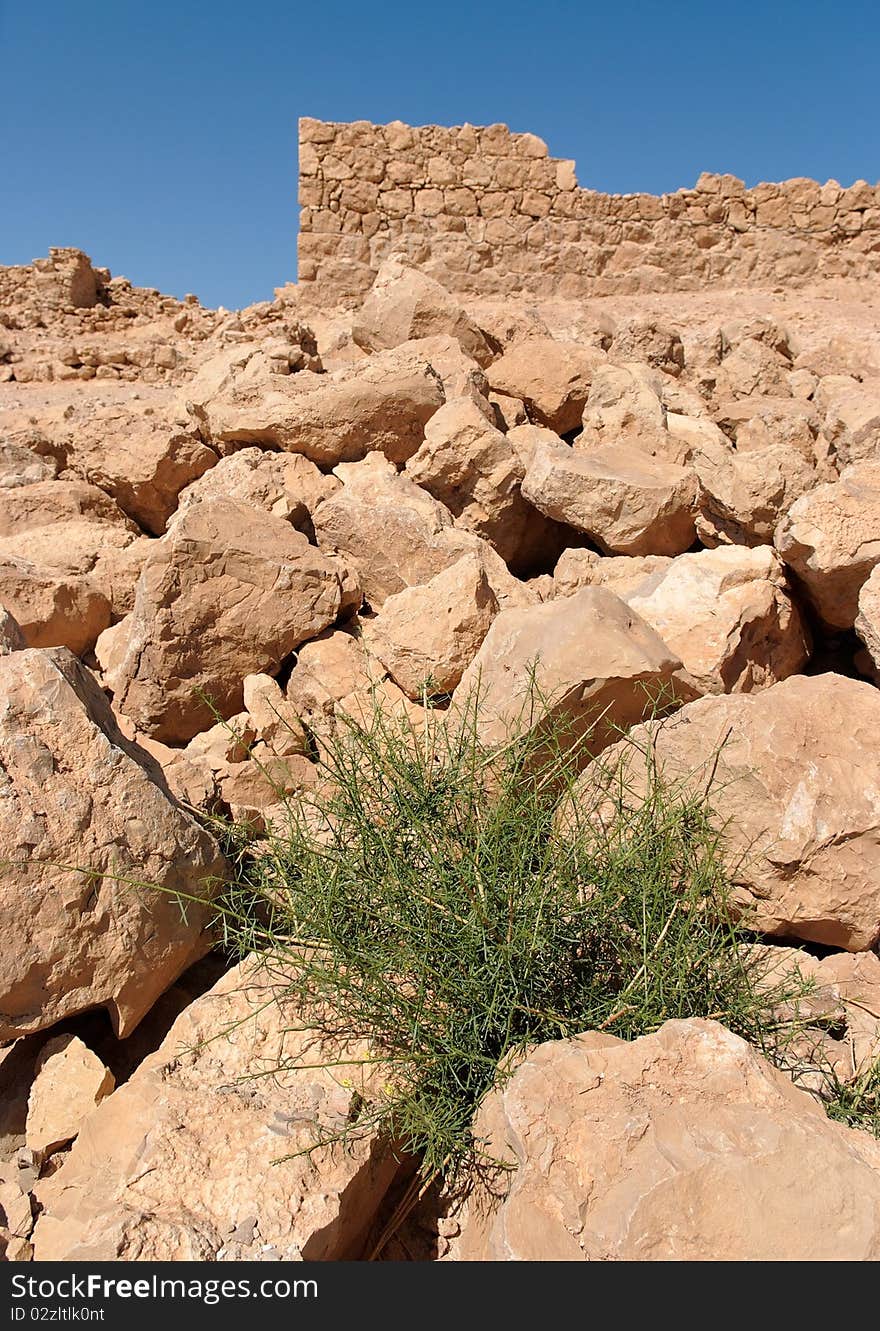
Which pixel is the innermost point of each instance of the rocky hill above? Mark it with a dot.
(222, 533)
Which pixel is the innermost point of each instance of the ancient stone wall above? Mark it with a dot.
(488, 211)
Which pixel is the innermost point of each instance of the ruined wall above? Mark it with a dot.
(488, 211)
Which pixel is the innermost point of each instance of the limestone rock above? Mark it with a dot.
(82, 811)
(70, 1082)
(11, 636)
(426, 636)
(594, 660)
(379, 404)
(743, 495)
(286, 485)
(852, 424)
(404, 304)
(728, 615)
(647, 340)
(53, 608)
(199, 1157)
(141, 458)
(396, 535)
(797, 791)
(830, 539)
(552, 379)
(624, 500)
(867, 623)
(228, 591)
(684, 1145)
(472, 468)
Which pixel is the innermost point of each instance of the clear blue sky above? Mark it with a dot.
(161, 136)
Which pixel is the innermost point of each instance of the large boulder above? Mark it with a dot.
(404, 304)
(378, 404)
(729, 616)
(623, 499)
(396, 535)
(830, 539)
(852, 423)
(552, 379)
(588, 662)
(142, 458)
(203, 1155)
(476, 471)
(743, 495)
(54, 608)
(427, 636)
(227, 592)
(793, 774)
(867, 623)
(103, 874)
(684, 1145)
(286, 485)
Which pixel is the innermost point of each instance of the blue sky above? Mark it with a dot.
(161, 136)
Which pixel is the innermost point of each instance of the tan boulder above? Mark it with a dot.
(796, 790)
(96, 858)
(753, 369)
(286, 485)
(228, 591)
(404, 304)
(70, 1082)
(204, 1153)
(427, 636)
(623, 499)
(684, 1145)
(646, 340)
(622, 405)
(141, 458)
(379, 404)
(852, 423)
(621, 574)
(396, 535)
(830, 539)
(47, 503)
(110, 556)
(759, 422)
(743, 495)
(867, 624)
(11, 636)
(552, 379)
(53, 608)
(472, 468)
(728, 615)
(593, 663)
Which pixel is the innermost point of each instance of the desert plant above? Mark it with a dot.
(428, 896)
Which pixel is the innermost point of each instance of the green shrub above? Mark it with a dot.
(426, 897)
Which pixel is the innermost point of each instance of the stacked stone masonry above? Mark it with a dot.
(488, 211)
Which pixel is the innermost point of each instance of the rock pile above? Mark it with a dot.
(220, 533)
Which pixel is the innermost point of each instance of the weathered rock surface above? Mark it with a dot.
(404, 304)
(286, 485)
(427, 636)
(867, 623)
(396, 535)
(830, 539)
(228, 591)
(685, 1145)
(623, 499)
(199, 1156)
(53, 608)
(796, 788)
(472, 468)
(381, 404)
(552, 379)
(593, 660)
(70, 1082)
(83, 822)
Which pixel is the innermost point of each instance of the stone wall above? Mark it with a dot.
(488, 211)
